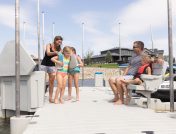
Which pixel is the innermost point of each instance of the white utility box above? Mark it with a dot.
(32, 83)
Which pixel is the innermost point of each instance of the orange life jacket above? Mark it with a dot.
(141, 70)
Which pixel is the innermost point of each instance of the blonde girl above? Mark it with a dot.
(62, 73)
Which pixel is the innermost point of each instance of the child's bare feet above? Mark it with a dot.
(114, 100)
(61, 101)
(77, 98)
(119, 102)
(127, 100)
(56, 101)
(51, 100)
(68, 98)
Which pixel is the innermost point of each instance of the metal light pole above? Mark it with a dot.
(17, 56)
(43, 32)
(83, 52)
(120, 57)
(38, 31)
(151, 37)
(53, 30)
(24, 31)
(169, 8)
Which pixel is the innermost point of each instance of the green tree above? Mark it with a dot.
(108, 57)
(88, 57)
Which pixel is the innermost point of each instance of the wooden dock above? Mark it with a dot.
(93, 114)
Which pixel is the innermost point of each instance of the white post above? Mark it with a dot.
(120, 57)
(17, 56)
(53, 30)
(82, 52)
(24, 31)
(151, 37)
(38, 31)
(18, 123)
(169, 8)
(43, 32)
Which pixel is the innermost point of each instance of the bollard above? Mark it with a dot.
(99, 79)
(18, 124)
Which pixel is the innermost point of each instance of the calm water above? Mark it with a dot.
(5, 124)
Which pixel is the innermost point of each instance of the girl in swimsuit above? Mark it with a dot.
(62, 73)
(74, 75)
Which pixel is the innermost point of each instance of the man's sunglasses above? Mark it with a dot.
(135, 47)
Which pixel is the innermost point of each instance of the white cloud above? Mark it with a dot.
(162, 43)
(49, 3)
(102, 43)
(90, 20)
(138, 16)
(96, 39)
(31, 46)
(7, 15)
(136, 19)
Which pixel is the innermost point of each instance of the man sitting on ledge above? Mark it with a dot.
(130, 71)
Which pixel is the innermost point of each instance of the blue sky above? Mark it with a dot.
(101, 18)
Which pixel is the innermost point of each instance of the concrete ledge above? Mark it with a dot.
(18, 124)
(157, 105)
(142, 102)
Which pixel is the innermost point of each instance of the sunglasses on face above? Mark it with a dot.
(135, 47)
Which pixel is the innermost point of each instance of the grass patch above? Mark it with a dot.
(103, 65)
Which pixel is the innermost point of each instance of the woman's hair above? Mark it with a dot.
(140, 44)
(73, 50)
(58, 38)
(146, 57)
(58, 48)
(67, 49)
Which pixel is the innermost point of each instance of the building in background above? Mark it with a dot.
(126, 54)
(159, 53)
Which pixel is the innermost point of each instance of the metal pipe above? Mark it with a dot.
(17, 56)
(169, 8)
(43, 32)
(83, 53)
(38, 31)
(24, 31)
(53, 30)
(151, 37)
(120, 57)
